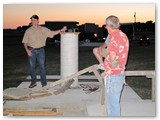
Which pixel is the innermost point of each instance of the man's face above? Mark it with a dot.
(34, 21)
(107, 27)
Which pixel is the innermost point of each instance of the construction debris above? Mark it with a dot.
(89, 88)
(25, 94)
(92, 68)
(21, 93)
(64, 87)
(16, 93)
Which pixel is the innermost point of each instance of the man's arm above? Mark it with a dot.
(56, 32)
(27, 50)
(112, 58)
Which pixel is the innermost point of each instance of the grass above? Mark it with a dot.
(15, 64)
(141, 85)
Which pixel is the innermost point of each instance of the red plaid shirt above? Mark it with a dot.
(119, 44)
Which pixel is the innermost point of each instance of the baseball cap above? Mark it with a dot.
(35, 17)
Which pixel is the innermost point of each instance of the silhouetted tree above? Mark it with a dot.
(19, 28)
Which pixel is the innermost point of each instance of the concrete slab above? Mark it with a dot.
(72, 102)
(95, 109)
(129, 95)
(144, 108)
(78, 102)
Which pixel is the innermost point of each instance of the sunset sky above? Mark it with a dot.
(15, 15)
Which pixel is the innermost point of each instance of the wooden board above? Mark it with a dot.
(30, 112)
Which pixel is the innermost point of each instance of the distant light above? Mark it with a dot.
(95, 34)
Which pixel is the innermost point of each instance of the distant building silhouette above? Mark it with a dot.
(90, 28)
(55, 25)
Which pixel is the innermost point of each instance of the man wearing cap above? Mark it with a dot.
(34, 41)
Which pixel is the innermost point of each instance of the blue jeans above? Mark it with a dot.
(114, 85)
(39, 55)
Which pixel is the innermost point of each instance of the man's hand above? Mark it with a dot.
(64, 29)
(112, 56)
(115, 63)
(29, 53)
